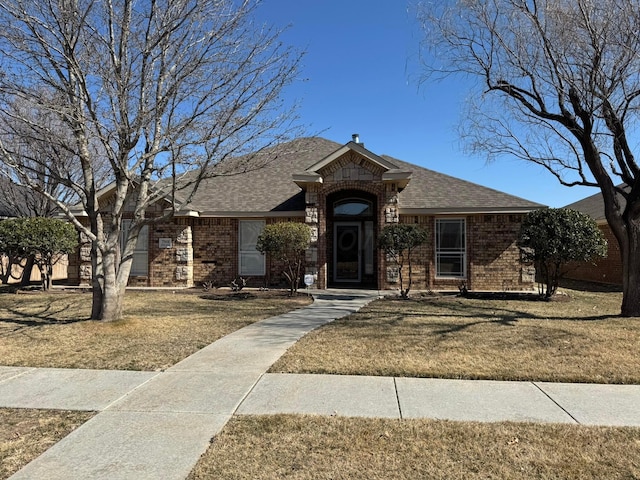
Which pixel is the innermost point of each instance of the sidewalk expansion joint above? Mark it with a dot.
(131, 391)
(395, 386)
(535, 384)
(247, 394)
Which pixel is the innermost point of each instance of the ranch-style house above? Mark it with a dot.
(347, 195)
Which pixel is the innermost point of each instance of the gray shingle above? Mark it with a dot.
(594, 205)
(271, 189)
(431, 190)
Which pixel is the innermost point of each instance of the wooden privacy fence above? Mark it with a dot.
(59, 270)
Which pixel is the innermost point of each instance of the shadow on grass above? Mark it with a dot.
(229, 297)
(48, 315)
(449, 328)
(486, 308)
(14, 288)
(249, 295)
(590, 286)
(516, 296)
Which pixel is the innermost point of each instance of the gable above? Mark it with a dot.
(351, 166)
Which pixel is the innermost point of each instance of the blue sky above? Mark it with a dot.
(360, 75)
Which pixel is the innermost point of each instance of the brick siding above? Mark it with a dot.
(198, 250)
(602, 270)
(493, 258)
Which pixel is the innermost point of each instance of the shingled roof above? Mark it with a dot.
(271, 189)
(594, 205)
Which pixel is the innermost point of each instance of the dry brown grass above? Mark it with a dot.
(160, 327)
(25, 434)
(578, 338)
(298, 447)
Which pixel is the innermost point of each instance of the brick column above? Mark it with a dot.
(391, 216)
(311, 219)
(184, 257)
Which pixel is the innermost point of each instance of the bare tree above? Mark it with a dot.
(41, 161)
(559, 86)
(161, 91)
(36, 159)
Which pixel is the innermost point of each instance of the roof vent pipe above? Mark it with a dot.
(356, 138)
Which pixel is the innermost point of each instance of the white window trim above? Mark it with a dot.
(462, 252)
(250, 251)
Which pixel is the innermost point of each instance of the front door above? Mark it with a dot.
(347, 251)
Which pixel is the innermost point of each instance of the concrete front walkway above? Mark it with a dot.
(156, 425)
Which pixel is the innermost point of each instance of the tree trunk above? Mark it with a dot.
(410, 279)
(97, 282)
(6, 270)
(400, 265)
(46, 271)
(108, 287)
(49, 275)
(113, 286)
(112, 301)
(26, 271)
(630, 252)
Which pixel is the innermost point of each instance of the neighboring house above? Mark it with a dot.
(346, 194)
(601, 270)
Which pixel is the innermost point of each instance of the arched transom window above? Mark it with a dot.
(352, 207)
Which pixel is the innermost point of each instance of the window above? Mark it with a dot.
(251, 261)
(450, 248)
(140, 264)
(352, 207)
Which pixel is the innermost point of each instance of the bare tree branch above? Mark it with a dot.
(152, 93)
(561, 90)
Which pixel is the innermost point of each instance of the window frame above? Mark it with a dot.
(140, 260)
(460, 252)
(250, 251)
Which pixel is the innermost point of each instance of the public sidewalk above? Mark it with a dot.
(155, 425)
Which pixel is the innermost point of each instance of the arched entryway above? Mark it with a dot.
(351, 245)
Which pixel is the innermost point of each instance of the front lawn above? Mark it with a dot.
(160, 328)
(578, 337)
(307, 447)
(26, 433)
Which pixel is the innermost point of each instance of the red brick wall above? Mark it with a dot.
(215, 250)
(493, 258)
(492, 254)
(603, 270)
(215, 253)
